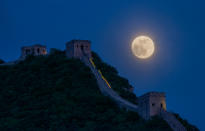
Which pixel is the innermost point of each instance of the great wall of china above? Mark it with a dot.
(150, 104)
(108, 91)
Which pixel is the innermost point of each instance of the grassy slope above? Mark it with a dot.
(54, 93)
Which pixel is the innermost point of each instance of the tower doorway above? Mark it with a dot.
(82, 50)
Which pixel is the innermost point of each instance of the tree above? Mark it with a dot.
(1, 61)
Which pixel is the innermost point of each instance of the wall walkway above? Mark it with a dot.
(106, 90)
(172, 121)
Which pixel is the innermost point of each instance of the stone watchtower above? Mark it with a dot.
(35, 50)
(78, 49)
(151, 104)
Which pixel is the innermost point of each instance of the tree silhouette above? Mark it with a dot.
(1, 61)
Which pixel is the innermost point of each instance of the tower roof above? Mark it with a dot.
(161, 94)
(36, 45)
(79, 42)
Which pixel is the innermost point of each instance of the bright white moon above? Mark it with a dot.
(143, 47)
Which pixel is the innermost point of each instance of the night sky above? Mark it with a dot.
(177, 28)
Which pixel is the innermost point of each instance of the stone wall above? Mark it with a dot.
(145, 107)
(107, 90)
(172, 121)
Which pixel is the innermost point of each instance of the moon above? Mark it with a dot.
(143, 47)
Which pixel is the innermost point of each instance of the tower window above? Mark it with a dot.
(38, 50)
(28, 51)
(153, 104)
(82, 47)
(32, 51)
(44, 51)
(161, 105)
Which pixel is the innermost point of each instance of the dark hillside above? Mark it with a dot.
(56, 93)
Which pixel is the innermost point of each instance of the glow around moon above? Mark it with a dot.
(143, 47)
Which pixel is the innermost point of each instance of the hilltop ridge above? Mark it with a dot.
(56, 93)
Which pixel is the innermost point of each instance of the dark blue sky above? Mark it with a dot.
(177, 28)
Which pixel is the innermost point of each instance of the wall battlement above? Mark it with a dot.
(35, 50)
(78, 49)
(151, 104)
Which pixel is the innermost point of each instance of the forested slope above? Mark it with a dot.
(55, 93)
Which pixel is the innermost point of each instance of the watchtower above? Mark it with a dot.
(151, 104)
(33, 50)
(78, 49)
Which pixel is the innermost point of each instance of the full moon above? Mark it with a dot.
(143, 47)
